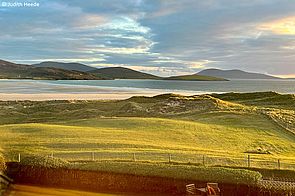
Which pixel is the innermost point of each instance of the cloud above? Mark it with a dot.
(126, 24)
(283, 26)
(90, 21)
(66, 60)
(159, 36)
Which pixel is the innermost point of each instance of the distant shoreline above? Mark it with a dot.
(124, 89)
(68, 96)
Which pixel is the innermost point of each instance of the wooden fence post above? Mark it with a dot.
(169, 158)
(134, 158)
(19, 158)
(52, 155)
(93, 156)
(204, 160)
(249, 159)
(279, 164)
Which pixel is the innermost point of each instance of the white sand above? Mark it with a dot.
(64, 96)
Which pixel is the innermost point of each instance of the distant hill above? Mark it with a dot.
(9, 70)
(66, 66)
(234, 74)
(195, 78)
(122, 73)
(78, 71)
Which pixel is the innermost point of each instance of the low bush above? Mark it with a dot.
(44, 161)
(2, 163)
(186, 172)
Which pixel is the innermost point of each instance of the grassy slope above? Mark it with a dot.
(261, 99)
(151, 134)
(174, 124)
(279, 108)
(195, 78)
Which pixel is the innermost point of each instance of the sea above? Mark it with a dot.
(148, 86)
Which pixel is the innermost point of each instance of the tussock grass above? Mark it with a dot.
(261, 99)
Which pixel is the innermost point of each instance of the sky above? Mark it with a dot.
(162, 37)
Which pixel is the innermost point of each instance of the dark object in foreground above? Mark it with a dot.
(98, 181)
(4, 182)
(210, 189)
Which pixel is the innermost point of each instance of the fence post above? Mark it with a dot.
(204, 160)
(134, 158)
(249, 159)
(52, 155)
(169, 158)
(19, 158)
(93, 156)
(279, 164)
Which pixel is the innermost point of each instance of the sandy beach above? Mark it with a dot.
(11, 90)
(67, 96)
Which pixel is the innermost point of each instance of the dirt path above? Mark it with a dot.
(26, 190)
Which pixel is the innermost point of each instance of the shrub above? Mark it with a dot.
(185, 172)
(44, 161)
(2, 163)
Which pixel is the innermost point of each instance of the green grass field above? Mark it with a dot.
(152, 134)
(185, 127)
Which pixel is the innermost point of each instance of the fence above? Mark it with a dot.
(277, 186)
(248, 160)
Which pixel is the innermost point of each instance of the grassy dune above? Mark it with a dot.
(222, 125)
(150, 134)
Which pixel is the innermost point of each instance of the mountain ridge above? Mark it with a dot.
(66, 66)
(235, 74)
(195, 77)
(9, 70)
(58, 70)
(123, 73)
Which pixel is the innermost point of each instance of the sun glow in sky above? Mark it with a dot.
(163, 37)
(286, 76)
(284, 26)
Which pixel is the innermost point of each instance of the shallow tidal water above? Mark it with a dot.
(135, 86)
